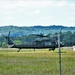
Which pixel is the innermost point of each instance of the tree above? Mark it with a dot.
(68, 38)
(4, 45)
(17, 42)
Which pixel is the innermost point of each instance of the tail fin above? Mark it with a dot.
(8, 39)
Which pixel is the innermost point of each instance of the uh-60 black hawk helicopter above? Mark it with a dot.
(35, 44)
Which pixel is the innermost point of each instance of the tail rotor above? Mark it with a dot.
(9, 34)
(8, 39)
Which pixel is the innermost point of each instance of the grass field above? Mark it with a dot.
(39, 62)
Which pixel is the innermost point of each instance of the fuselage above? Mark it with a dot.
(36, 45)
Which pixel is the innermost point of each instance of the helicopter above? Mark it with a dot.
(35, 44)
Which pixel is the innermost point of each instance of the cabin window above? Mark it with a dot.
(47, 43)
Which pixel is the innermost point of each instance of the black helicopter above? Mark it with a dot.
(36, 44)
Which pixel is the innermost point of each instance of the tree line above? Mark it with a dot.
(67, 38)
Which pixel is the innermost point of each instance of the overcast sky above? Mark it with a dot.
(37, 12)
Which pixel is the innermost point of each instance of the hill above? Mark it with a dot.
(18, 31)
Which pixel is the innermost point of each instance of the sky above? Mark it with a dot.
(37, 12)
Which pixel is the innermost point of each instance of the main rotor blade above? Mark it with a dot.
(41, 35)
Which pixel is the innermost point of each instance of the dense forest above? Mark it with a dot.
(22, 34)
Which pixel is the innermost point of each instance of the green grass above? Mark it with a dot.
(39, 62)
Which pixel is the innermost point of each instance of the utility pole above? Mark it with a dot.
(59, 53)
(60, 70)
